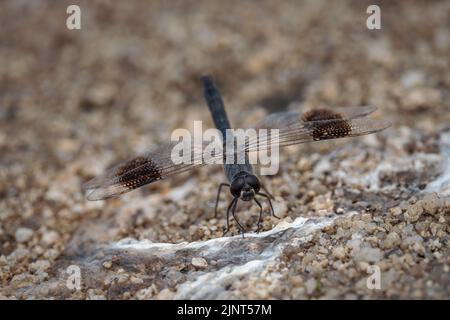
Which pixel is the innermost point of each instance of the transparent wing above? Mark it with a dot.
(132, 174)
(314, 125)
(283, 119)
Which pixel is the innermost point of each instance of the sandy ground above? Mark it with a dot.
(73, 103)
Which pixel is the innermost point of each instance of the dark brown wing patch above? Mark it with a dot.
(331, 130)
(321, 114)
(137, 172)
(333, 125)
(130, 165)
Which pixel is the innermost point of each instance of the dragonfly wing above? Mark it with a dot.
(288, 118)
(316, 125)
(331, 129)
(278, 120)
(132, 174)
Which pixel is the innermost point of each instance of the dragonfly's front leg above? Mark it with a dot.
(218, 197)
(231, 206)
(241, 228)
(267, 192)
(270, 203)
(260, 215)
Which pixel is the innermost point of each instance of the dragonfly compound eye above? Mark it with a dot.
(253, 182)
(236, 186)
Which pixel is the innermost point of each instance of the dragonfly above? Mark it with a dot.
(293, 128)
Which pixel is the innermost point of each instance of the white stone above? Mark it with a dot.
(23, 234)
(50, 237)
(199, 263)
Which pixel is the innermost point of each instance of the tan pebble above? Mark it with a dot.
(323, 204)
(358, 225)
(421, 226)
(395, 211)
(416, 270)
(337, 264)
(50, 237)
(23, 280)
(414, 212)
(40, 265)
(199, 262)
(127, 295)
(145, 293)
(178, 218)
(362, 266)
(107, 264)
(370, 228)
(165, 294)
(193, 229)
(392, 240)
(431, 203)
(310, 286)
(51, 254)
(331, 229)
(368, 254)
(437, 255)
(338, 252)
(296, 280)
(419, 248)
(136, 280)
(304, 165)
(315, 267)
(322, 250)
(421, 97)
(253, 247)
(122, 278)
(324, 263)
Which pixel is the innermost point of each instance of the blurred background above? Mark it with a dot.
(75, 102)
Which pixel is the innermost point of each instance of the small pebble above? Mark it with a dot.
(310, 286)
(339, 252)
(23, 234)
(50, 237)
(136, 280)
(179, 218)
(414, 212)
(199, 263)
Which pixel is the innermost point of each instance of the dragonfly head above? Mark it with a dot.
(245, 187)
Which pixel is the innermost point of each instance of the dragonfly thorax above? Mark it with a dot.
(245, 186)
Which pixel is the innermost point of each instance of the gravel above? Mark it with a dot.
(74, 103)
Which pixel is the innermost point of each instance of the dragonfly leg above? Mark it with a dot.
(270, 203)
(241, 228)
(231, 206)
(260, 215)
(218, 196)
(267, 192)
